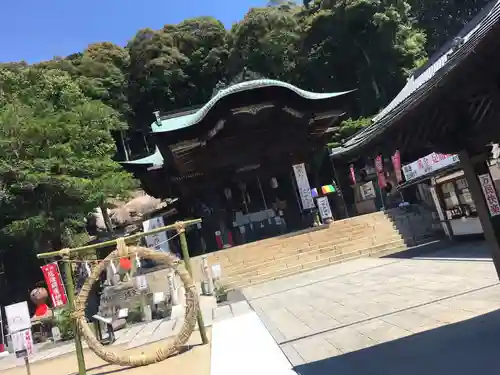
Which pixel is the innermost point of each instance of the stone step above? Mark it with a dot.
(306, 258)
(340, 226)
(378, 251)
(231, 257)
(346, 245)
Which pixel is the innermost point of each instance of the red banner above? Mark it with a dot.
(396, 163)
(352, 174)
(379, 167)
(55, 284)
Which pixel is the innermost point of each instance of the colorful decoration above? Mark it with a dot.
(327, 189)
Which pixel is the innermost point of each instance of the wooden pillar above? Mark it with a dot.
(489, 221)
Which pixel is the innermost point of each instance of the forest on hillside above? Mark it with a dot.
(60, 119)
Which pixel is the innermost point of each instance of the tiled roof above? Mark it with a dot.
(180, 122)
(441, 63)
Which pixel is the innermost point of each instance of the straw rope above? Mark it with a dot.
(192, 306)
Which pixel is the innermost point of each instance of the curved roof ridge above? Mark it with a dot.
(181, 122)
(155, 159)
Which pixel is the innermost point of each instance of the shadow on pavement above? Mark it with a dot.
(469, 347)
(444, 250)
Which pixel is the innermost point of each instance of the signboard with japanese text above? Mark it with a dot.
(428, 164)
(157, 241)
(303, 186)
(490, 194)
(22, 341)
(325, 211)
(18, 317)
(55, 284)
(367, 191)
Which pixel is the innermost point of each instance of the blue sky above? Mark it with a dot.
(35, 30)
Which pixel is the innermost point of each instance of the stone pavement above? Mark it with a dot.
(388, 316)
(139, 334)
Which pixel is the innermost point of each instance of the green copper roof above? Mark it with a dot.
(181, 122)
(156, 159)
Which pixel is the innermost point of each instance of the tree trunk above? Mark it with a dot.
(374, 83)
(106, 218)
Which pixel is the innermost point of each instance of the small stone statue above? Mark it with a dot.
(39, 297)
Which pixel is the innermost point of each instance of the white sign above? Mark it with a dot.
(158, 241)
(428, 164)
(158, 297)
(303, 185)
(367, 191)
(490, 194)
(18, 317)
(324, 208)
(22, 342)
(141, 282)
(216, 271)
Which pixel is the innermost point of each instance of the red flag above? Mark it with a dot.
(55, 284)
(352, 174)
(379, 166)
(396, 163)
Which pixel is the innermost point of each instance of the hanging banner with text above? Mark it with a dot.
(352, 174)
(396, 163)
(490, 194)
(157, 241)
(303, 186)
(379, 167)
(54, 284)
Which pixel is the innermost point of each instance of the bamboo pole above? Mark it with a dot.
(187, 263)
(127, 239)
(70, 288)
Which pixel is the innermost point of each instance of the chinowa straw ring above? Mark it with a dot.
(144, 359)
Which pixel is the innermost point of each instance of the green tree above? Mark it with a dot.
(371, 46)
(177, 66)
(443, 19)
(55, 148)
(266, 42)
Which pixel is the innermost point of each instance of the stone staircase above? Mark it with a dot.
(375, 235)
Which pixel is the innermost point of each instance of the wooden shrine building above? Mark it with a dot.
(231, 160)
(451, 105)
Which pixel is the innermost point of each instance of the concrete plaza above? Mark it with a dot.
(432, 314)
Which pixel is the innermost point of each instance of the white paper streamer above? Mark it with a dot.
(87, 268)
(113, 267)
(137, 261)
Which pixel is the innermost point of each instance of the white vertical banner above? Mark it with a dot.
(325, 211)
(303, 186)
(157, 241)
(490, 194)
